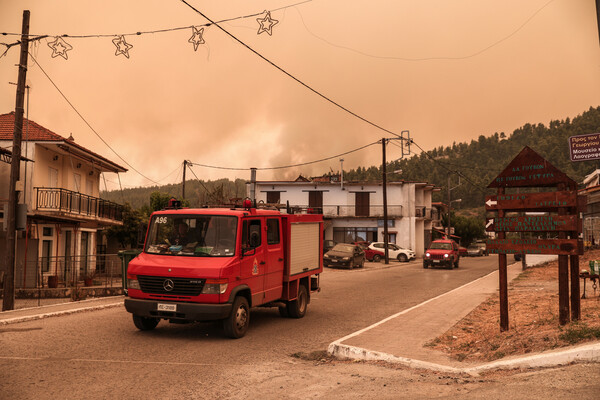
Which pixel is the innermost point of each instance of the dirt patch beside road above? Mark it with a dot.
(533, 319)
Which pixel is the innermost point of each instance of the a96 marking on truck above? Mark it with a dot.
(161, 220)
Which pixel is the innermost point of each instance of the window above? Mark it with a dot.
(273, 231)
(77, 183)
(349, 235)
(273, 197)
(251, 234)
(47, 231)
(46, 254)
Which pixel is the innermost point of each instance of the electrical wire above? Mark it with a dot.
(284, 166)
(139, 33)
(87, 123)
(287, 73)
(483, 50)
(202, 184)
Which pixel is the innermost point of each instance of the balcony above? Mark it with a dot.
(74, 204)
(346, 211)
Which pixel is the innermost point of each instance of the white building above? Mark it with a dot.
(353, 211)
(60, 189)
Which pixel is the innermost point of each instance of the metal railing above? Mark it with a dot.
(63, 200)
(330, 211)
(61, 271)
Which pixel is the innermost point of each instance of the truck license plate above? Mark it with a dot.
(436, 261)
(167, 307)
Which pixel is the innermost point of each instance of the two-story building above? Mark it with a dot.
(59, 188)
(353, 211)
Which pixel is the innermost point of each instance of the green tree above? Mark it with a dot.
(127, 234)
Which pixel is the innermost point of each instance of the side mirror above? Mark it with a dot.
(254, 239)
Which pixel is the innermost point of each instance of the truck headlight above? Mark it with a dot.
(427, 255)
(214, 286)
(446, 255)
(132, 282)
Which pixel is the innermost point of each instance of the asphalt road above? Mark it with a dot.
(101, 354)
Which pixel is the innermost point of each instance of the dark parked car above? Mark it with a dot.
(370, 254)
(345, 255)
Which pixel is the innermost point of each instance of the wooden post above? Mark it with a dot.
(563, 275)
(575, 298)
(8, 302)
(503, 278)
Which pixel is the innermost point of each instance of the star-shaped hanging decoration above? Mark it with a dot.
(122, 46)
(60, 47)
(196, 38)
(266, 24)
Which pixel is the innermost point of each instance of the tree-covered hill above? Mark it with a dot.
(477, 163)
(480, 161)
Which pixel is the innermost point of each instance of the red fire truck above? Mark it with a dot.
(216, 263)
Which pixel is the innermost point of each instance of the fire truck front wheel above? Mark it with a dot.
(297, 308)
(145, 323)
(236, 325)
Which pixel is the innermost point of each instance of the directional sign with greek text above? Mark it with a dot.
(533, 223)
(533, 201)
(529, 169)
(567, 247)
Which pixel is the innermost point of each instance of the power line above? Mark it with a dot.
(139, 33)
(285, 166)
(494, 44)
(287, 73)
(87, 123)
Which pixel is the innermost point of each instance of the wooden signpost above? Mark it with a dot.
(556, 212)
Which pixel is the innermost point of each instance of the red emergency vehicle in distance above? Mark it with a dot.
(216, 263)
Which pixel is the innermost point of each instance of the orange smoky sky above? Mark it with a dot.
(445, 71)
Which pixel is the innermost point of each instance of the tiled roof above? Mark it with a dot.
(37, 133)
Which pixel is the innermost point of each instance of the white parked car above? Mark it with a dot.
(394, 251)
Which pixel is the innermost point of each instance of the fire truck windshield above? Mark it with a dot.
(192, 235)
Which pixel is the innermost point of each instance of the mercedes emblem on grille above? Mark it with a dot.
(168, 285)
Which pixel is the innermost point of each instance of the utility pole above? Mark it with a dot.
(385, 214)
(183, 183)
(8, 302)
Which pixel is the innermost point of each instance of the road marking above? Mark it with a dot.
(97, 361)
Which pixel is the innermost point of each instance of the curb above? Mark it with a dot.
(35, 317)
(583, 353)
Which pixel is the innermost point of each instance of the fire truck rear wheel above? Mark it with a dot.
(145, 323)
(297, 308)
(236, 325)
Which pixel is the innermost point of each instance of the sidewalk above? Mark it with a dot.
(400, 337)
(52, 310)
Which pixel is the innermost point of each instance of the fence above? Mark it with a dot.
(51, 280)
(61, 271)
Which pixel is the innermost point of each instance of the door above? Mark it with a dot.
(253, 264)
(275, 263)
(362, 204)
(315, 200)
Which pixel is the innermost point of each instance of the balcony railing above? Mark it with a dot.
(67, 201)
(341, 211)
